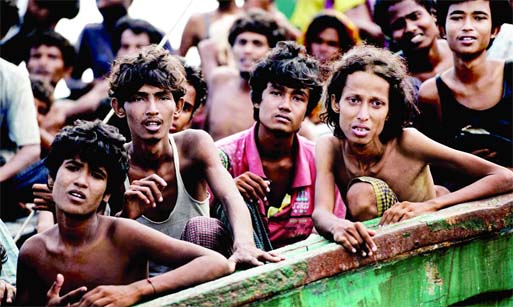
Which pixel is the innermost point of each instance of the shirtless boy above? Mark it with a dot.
(100, 260)
(229, 107)
(169, 174)
(380, 166)
(476, 94)
(411, 24)
(274, 167)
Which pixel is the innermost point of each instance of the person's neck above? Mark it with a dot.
(272, 146)
(368, 154)
(227, 7)
(469, 70)
(77, 230)
(150, 155)
(425, 59)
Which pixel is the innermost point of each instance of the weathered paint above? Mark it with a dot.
(451, 256)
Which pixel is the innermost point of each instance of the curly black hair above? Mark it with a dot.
(287, 64)
(384, 64)
(257, 21)
(152, 65)
(96, 143)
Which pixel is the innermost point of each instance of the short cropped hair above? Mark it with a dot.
(382, 17)
(137, 26)
(152, 65)
(195, 79)
(384, 64)
(347, 32)
(42, 91)
(289, 65)
(51, 38)
(95, 143)
(500, 10)
(260, 22)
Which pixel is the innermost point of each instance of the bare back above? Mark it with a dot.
(229, 106)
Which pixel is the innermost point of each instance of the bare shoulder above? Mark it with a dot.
(413, 142)
(326, 148)
(193, 143)
(36, 247)
(223, 74)
(428, 92)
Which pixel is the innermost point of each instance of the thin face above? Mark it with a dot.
(131, 43)
(79, 188)
(248, 49)
(149, 113)
(42, 110)
(469, 27)
(363, 107)
(412, 26)
(182, 120)
(46, 63)
(325, 46)
(283, 108)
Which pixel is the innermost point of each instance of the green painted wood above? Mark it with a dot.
(457, 255)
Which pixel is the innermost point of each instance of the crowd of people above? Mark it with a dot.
(159, 175)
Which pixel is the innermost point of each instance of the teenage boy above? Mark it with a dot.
(169, 174)
(274, 167)
(100, 260)
(381, 167)
(229, 106)
(194, 98)
(411, 25)
(469, 107)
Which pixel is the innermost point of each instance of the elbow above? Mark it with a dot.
(223, 265)
(507, 180)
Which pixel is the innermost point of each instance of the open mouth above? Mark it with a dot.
(416, 39)
(152, 124)
(77, 194)
(360, 131)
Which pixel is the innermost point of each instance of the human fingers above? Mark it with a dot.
(11, 293)
(264, 184)
(157, 179)
(155, 187)
(246, 190)
(366, 235)
(74, 295)
(141, 193)
(266, 256)
(55, 289)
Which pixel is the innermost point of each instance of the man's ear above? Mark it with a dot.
(179, 105)
(334, 103)
(256, 105)
(495, 31)
(49, 183)
(118, 108)
(106, 197)
(67, 72)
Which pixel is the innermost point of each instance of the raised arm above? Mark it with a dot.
(353, 236)
(491, 179)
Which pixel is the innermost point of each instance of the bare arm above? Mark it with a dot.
(362, 18)
(190, 36)
(492, 179)
(224, 189)
(208, 51)
(194, 263)
(25, 156)
(353, 236)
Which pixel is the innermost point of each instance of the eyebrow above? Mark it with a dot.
(456, 12)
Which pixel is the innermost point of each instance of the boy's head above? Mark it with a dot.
(288, 65)
(152, 65)
(251, 36)
(329, 35)
(95, 143)
(51, 56)
(43, 98)
(411, 24)
(195, 96)
(501, 11)
(132, 34)
(385, 65)
(465, 34)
